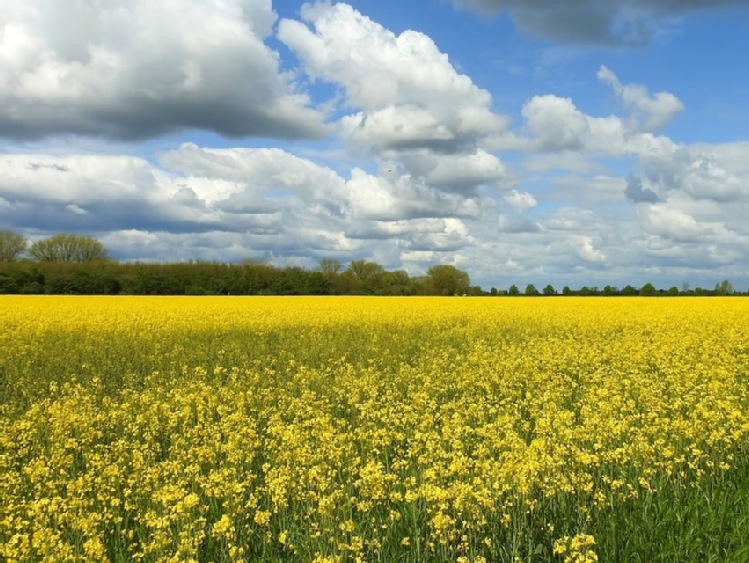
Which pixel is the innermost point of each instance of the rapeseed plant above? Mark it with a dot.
(362, 429)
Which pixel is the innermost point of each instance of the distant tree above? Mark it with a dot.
(397, 283)
(365, 271)
(493, 291)
(549, 290)
(365, 277)
(444, 279)
(68, 248)
(673, 291)
(513, 290)
(566, 290)
(685, 288)
(530, 289)
(475, 290)
(648, 290)
(610, 290)
(629, 290)
(329, 266)
(12, 245)
(724, 288)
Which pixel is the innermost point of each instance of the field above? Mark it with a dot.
(374, 429)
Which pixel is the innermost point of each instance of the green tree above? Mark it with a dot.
(397, 283)
(549, 290)
(513, 290)
(12, 245)
(329, 266)
(365, 271)
(530, 289)
(724, 288)
(566, 290)
(367, 276)
(67, 247)
(629, 290)
(610, 290)
(444, 279)
(648, 289)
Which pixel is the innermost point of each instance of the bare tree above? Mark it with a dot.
(12, 245)
(68, 248)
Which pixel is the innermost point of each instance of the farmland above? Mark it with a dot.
(374, 429)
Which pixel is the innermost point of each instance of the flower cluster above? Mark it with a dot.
(355, 429)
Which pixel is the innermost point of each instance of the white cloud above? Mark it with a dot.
(237, 172)
(408, 92)
(460, 173)
(417, 174)
(141, 69)
(402, 197)
(677, 168)
(648, 113)
(558, 125)
(583, 247)
(521, 201)
(671, 223)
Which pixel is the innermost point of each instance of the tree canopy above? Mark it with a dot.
(12, 245)
(444, 279)
(67, 247)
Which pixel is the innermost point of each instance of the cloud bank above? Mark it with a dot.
(415, 164)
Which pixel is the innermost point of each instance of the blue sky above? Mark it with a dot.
(587, 143)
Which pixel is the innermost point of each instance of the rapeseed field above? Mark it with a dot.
(374, 429)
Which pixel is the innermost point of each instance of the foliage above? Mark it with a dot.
(724, 288)
(92, 272)
(67, 247)
(445, 279)
(530, 289)
(330, 266)
(12, 245)
(648, 290)
(336, 429)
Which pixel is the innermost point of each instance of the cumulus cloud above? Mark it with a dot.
(636, 192)
(648, 112)
(677, 168)
(672, 223)
(238, 174)
(557, 124)
(516, 224)
(584, 248)
(402, 197)
(612, 22)
(428, 181)
(458, 173)
(408, 106)
(407, 92)
(520, 201)
(141, 69)
(255, 201)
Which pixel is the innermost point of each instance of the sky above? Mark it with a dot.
(597, 142)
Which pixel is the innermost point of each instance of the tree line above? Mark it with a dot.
(724, 287)
(73, 264)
